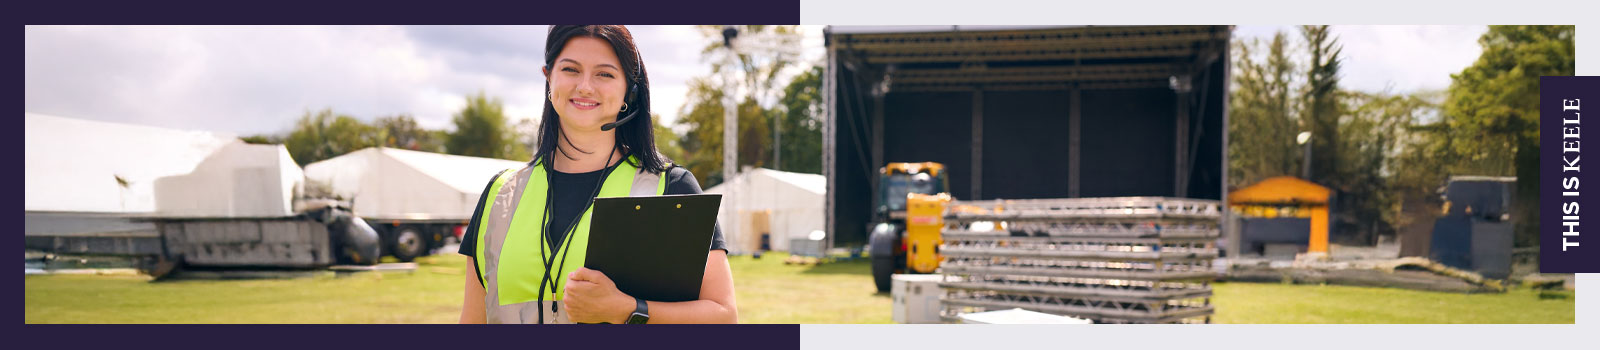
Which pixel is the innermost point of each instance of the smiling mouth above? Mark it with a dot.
(584, 105)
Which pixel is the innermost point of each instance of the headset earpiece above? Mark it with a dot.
(632, 99)
(633, 93)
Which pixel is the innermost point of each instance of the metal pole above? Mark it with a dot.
(730, 142)
(830, 112)
(1305, 171)
(730, 133)
(777, 142)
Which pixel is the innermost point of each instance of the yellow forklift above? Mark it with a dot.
(905, 232)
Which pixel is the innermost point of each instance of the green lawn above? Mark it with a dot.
(430, 295)
(768, 292)
(1284, 303)
(841, 292)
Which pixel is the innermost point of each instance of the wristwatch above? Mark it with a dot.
(641, 312)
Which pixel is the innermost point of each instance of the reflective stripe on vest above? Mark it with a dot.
(511, 235)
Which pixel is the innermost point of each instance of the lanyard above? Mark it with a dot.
(566, 239)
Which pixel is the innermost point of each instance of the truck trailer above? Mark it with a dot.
(242, 207)
(417, 201)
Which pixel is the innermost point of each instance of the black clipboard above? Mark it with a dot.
(653, 248)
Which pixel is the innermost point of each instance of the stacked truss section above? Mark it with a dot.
(1111, 260)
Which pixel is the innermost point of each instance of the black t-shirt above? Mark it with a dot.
(571, 198)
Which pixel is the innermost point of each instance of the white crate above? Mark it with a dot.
(916, 298)
(807, 247)
(1019, 316)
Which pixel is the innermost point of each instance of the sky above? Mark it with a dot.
(1393, 58)
(255, 80)
(258, 80)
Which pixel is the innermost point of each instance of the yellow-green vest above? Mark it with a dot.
(510, 236)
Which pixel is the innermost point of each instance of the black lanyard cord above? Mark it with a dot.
(566, 239)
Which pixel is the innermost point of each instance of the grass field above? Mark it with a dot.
(768, 292)
(1283, 303)
(430, 295)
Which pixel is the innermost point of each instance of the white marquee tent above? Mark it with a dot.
(389, 183)
(84, 166)
(783, 205)
(239, 180)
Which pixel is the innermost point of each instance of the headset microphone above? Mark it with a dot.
(613, 125)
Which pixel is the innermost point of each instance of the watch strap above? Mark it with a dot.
(641, 312)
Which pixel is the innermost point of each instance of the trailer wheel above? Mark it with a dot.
(409, 244)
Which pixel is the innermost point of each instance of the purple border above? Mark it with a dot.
(370, 337)
(400, 12)
(636, 12)
(1557, 193)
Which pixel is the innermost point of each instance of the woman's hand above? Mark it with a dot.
(591, 297)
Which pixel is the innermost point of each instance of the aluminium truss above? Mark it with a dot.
(1112, 260)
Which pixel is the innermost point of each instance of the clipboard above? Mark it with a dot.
(654, 248)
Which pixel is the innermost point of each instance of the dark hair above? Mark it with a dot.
(636, 138)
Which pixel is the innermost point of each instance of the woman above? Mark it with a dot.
(595, 139)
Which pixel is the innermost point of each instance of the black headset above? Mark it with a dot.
(633, 93)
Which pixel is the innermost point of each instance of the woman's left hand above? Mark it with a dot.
(591, 297)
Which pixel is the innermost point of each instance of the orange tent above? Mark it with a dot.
(1280, 191)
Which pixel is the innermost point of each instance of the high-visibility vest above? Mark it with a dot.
(510, 236)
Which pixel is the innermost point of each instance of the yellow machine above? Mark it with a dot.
(924, 220)
(909, 215)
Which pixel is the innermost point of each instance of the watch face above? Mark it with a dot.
(638, 318)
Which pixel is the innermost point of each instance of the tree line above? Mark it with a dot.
(481, 130)
(1386, 154)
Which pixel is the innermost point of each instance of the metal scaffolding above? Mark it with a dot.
(1111, 260)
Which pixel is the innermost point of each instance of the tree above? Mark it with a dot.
(766, 54)
(1383, 152)
(800, 127)
(1493, 109)
(702, 145)
(1355, 136)
(323, 134)
(482, 131)
(755, 134)
(1322, 108)
(402, 131)
(1371, 172)
(666, 140)
(1262, 123)
(262, 139)
(527, 131)
(1348, 152)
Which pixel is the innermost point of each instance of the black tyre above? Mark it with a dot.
(885, 240)
(882, 272)
(409, 243)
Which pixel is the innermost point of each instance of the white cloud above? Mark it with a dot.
(1407, 58)
(252, 80)
(672, 55)
(245, 80)
(1396, 58)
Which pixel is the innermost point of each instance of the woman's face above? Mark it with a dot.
(587, 85)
